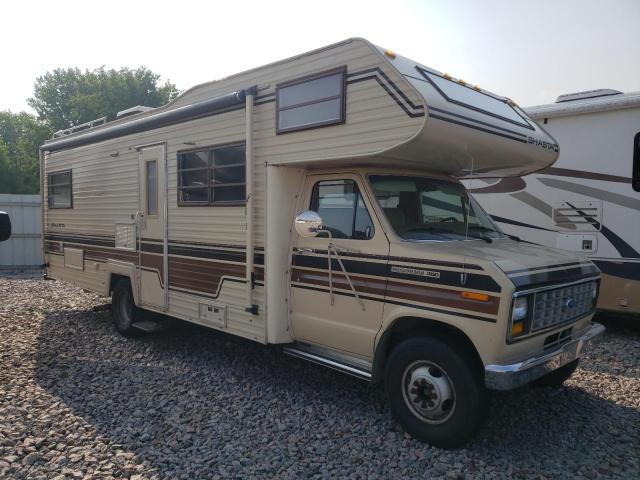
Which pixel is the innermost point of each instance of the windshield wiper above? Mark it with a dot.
(482, 228)
(481, 237)
(427, 229)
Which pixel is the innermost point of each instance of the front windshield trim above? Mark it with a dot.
(445, 219)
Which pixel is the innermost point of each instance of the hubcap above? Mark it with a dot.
(428, 392)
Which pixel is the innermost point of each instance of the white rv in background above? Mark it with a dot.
(589, 201)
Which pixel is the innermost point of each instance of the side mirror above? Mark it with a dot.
(308, 223)
(5, 226)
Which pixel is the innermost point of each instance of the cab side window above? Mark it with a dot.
(343, 212)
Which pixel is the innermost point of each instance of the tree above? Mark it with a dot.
(20, 136)
(67, 96)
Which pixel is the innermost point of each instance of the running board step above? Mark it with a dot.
(327, 361)
(148, 326)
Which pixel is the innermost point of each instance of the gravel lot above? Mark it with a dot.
(79, 401)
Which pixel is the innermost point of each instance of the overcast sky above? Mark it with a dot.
(529, 51)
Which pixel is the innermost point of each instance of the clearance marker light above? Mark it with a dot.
(390, 54)
(447, 76)
(482, 297)
(462, 82)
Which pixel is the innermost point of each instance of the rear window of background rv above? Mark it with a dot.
(468, 97)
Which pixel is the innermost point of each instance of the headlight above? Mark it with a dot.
(594, 290)
(519, 314)
(520, 309)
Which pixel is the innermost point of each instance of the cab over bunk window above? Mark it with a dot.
(212, 176)
(343, 212)
(469, 97)
(59, 190)
(310, 102)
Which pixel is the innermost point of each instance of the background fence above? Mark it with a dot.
(24, 248)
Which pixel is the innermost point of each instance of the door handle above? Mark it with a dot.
(302, 250)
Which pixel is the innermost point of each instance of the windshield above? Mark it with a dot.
(420, 208)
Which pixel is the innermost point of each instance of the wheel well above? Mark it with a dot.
(115, 278)
(407, 327)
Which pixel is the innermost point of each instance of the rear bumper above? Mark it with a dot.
(508, 377)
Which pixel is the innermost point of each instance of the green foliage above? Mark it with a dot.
(20, 136)
(67, 96)
(64, 98)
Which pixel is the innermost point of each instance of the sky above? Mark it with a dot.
(529, 51)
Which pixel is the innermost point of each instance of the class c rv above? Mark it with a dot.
(317, 203)
(588, 202)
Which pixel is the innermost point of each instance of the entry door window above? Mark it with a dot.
(341, 207)
(152, 187)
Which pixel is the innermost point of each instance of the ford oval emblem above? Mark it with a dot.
(569, 303)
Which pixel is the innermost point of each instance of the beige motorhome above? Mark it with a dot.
(316, 203)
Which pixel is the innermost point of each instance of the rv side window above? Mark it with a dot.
(215, 176)
(343, 212)
(59, 190)
(310, 102)
(635, 180)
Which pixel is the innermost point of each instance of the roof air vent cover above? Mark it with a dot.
(601, 92)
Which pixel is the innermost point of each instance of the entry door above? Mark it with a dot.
(363, 248)
(152, 226)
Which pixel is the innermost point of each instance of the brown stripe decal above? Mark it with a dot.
(568, 172)
(442, 297)
(415, 293)
(51, 246)
(110, 253)
(201, 275)
(362, 285)
(153, 262)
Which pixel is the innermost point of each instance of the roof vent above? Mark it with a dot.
(133, 111)
(601, 92)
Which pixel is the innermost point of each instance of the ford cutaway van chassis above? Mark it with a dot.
(316, 203)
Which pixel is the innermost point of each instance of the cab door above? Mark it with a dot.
(152, 226)
(343, 321)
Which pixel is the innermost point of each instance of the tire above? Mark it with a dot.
(124, 310)
(557, 377)
(443, 369)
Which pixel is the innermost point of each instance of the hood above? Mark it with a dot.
(527, 265)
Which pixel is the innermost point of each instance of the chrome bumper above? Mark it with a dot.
(508, 377)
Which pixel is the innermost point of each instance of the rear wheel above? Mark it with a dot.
(434, 391)
(558, 376)
(124, 310)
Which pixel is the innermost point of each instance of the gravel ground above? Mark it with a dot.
(79, 401)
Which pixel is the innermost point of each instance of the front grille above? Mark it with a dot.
(552, 307)
(557, 339)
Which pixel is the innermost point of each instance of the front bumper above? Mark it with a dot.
(508, 377)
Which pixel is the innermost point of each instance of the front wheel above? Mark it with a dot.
(434, 391)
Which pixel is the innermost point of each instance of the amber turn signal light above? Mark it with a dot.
(517, 328)
(482, 297)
